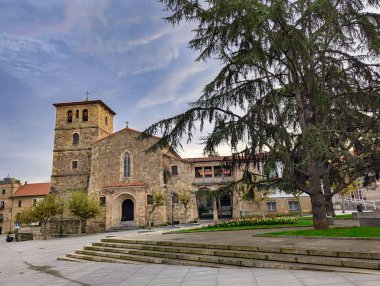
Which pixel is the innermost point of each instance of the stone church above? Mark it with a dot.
(114, 167)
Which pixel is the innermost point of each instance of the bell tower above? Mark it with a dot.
(77, 125)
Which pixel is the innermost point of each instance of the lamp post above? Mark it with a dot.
(172, 197)
(61, 226)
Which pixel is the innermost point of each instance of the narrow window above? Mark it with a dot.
(69, 116)
(102, 201)
(77, 114)
(271, 207)
(165, 177)
(175, 170)
(75, 139)
(293, 206)
(3, 192)
(106, 120)
(127, 165)
(85, 115)
(74, 164)
(19, 204)
(2, 204)
(1, 218)
(149, 200)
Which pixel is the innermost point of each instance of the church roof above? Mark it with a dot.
(86, 102)
(208, 159)
(32, 190)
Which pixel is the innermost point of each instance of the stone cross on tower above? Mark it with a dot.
(87, 93)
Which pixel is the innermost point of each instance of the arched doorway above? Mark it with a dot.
(127, 210)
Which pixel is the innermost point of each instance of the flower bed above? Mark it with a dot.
(255, 221)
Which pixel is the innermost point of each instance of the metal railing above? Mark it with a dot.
(350, 202)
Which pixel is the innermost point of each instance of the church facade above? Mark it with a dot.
(114, 167)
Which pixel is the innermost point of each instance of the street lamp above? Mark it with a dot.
(172, 197)
(61, 226)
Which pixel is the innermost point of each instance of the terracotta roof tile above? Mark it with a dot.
(38, 189)
(126, 184)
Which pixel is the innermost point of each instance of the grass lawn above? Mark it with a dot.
(354, 231)
(300, 222)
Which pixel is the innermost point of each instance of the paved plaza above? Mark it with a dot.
(35, 263)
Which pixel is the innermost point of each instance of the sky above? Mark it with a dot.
(121, 51)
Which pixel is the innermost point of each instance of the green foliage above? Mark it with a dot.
(82, 205)
(158, 198)
(184, 197)
(299, 79)
(47, 208)
(255, 221)
(26, 217)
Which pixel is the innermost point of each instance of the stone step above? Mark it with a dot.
(212, 262)
(282, 250)
(195, 253)
(82, 257)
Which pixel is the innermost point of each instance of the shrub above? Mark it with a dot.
(255, 221)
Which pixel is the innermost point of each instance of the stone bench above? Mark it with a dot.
(369, 219)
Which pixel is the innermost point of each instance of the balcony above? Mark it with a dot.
(213, 180)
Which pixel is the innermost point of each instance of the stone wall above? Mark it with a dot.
(282, 203)
(175, 184)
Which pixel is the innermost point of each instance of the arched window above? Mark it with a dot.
(75, 139)
(85, 115)
(69, 116)
(106, 120)
(77, 114)
(127, 165)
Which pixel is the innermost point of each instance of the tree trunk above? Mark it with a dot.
(80, 226)
(185, 214)
(259, 207)
(215, 210)
(342, 204)
(299, 204)
(44, 229)
(150, 212)
(327, 191)
(319, 211)
(317, 199)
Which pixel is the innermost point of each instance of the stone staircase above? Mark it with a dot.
(120, 250)
(124, 225)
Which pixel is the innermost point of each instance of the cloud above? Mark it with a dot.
(168, 89)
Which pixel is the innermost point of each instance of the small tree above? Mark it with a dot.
(83, 206)
(351, 187)
(184, 197)
(26, 217)
(47, 208)
(158, 200)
